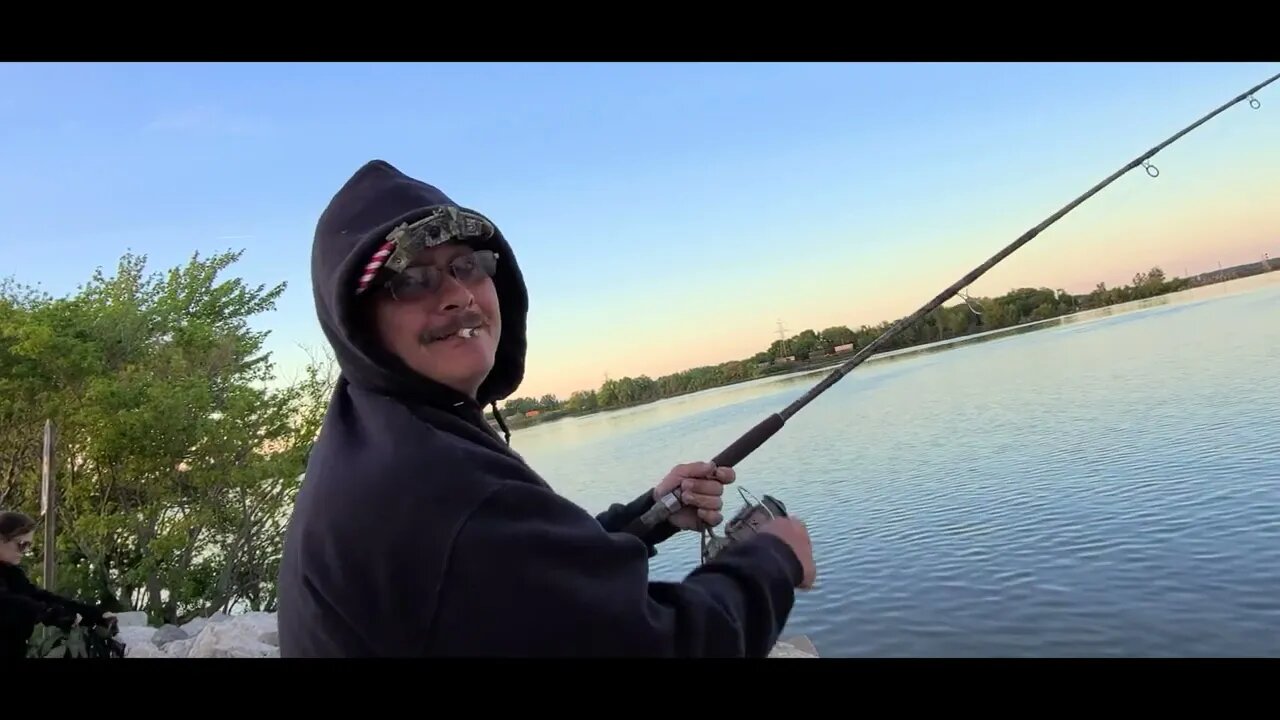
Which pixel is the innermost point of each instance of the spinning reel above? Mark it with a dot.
(745, 524)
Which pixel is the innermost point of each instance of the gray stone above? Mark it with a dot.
(167, 634)
(270, 638)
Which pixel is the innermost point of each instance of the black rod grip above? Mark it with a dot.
(750, 440)
(728, 457)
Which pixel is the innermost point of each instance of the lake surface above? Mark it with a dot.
(1107, 486)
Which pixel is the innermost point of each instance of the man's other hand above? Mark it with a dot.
(701, 487)
(794, 533)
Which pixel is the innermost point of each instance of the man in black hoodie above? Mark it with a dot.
(419, 532)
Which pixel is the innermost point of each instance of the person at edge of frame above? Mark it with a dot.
(418, 530)
(22, 604)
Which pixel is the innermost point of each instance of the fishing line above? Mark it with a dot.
(756, 436)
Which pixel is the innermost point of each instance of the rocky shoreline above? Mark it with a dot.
(248, 635)
(254, 635)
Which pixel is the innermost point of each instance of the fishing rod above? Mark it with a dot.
(765, 429)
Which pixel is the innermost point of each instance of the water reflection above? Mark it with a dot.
(1108, 485)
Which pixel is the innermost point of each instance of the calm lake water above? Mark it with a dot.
(1108, 486)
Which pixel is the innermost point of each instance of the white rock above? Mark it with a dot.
(133, 635)
(179, 648)
(264, 622)
(193, 627)
(798, 647)
(137, 618)
(251, 634)
(254, 635)
(231, 639)
(144, 650)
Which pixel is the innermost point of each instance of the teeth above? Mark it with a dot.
(467, 333)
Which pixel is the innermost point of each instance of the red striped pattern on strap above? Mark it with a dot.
(375, 263)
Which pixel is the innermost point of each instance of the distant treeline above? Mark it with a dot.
(1016, 307)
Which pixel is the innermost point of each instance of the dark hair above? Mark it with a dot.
(13, 524)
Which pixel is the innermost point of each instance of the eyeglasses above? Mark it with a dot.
(417, 281)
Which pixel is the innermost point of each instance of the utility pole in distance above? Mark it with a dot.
(49, 508)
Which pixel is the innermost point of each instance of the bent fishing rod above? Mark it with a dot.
(765, 429)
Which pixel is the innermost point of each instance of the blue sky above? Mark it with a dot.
(666, 215)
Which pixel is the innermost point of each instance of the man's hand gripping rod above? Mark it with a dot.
(756, 436)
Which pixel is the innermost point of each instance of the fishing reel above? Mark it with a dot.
(743, 525)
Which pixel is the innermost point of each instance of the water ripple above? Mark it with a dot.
(1101, 489)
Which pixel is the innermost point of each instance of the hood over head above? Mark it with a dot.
(363, 215)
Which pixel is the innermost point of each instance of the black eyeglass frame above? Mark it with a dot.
(416, 281)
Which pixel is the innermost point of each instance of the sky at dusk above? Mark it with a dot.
(665, 215)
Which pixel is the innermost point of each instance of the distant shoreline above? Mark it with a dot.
(790, 369)
(801, 368)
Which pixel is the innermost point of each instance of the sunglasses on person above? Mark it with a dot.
(418, 281)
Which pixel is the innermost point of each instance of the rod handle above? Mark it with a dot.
(669, 504)
(750, 440)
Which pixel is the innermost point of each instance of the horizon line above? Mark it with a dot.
(1265, 256)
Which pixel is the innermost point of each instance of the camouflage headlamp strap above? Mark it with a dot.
(446, 224)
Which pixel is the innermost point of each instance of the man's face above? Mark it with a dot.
(11, 551)
(425, 305)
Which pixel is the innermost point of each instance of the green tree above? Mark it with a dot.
(582, 401)
(837, 335)
(177, 460)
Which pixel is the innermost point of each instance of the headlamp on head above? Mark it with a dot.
(446, 224)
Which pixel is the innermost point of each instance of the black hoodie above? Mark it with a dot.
(23, 606)
(418, 532)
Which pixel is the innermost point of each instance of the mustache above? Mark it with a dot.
(464, 319)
